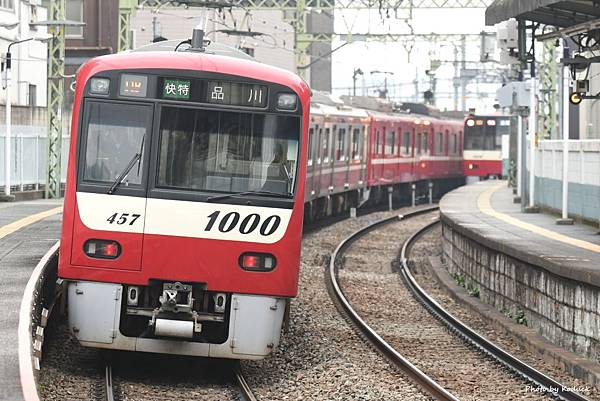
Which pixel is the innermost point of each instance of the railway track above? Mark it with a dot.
(527, 372)
(109, 392)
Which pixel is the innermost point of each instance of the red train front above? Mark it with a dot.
(184, 204)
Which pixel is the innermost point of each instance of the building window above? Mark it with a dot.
(7, 4)
(74, 12)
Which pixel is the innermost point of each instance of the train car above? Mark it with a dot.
(184, 202)
(336, 175)
(483, 144)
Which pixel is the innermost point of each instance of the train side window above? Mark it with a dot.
(419, 143)
(356, 144)
(426, 143)
(382, 142)
(311, 134)
(439, 143)
(376, 147)
(453, 146)
(460, 136)
(389, 142)
(326, 146)
(341, 142)
(406, 144)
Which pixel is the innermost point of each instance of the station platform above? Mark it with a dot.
(27, 231)
(486, 209)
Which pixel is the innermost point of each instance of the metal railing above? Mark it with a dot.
(29, 153)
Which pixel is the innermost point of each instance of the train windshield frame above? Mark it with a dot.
(197, 152)
(485, 133)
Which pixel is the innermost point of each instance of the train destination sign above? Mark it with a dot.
(133, 85)
(176, 89)
(237, 94)
(214, 92)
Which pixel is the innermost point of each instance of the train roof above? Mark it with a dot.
(222, 60)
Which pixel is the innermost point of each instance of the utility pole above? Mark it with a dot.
(56, 72)
(463, 68)
(357, 71)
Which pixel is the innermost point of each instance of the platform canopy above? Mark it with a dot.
(561, 14)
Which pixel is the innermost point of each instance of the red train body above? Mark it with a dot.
(483, 145)
(189, 176)
(176, 253)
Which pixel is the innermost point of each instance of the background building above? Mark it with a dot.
(29, 59)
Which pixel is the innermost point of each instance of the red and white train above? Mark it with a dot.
(189, 176)
(483, 145)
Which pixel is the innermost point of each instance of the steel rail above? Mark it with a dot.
(243, 384)
(507, 359)
(427, 383)
(108, 384)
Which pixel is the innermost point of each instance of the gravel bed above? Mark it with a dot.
(71, 372)
(379, 296)
(430, 245)
(322, 357)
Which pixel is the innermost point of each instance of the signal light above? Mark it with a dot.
(479, 122)
(470, 123)
(102, 249)
(260, 262)
(575, 98)
(491, 123)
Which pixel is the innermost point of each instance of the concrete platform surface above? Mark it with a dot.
(485, 210)
(27, 231)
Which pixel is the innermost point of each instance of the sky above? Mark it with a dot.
(393, 57)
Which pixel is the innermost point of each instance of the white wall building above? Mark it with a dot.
(29, 59)
(275, 47)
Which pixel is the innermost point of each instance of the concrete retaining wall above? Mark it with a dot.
(564, 311)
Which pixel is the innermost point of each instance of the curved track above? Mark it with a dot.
(417, 375)
(466, 333)
(470, 335)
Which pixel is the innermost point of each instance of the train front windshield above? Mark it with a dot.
(485, 133)
(198, 149)
(227, 151)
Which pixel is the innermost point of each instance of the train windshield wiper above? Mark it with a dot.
(267, 193)
(124, 173)
(137, 158)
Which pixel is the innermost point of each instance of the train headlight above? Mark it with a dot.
(259, 262)
(287, 101)
(99, 86)
(102, 249)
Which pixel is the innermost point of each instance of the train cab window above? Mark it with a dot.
(355, 144)
(390, 138)
(116, 135)
(311, 134)
(216, 151)
(406, 144)
(326, 146)
(425, 143)
(340, 147)
(419, 143)
(439, 143)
